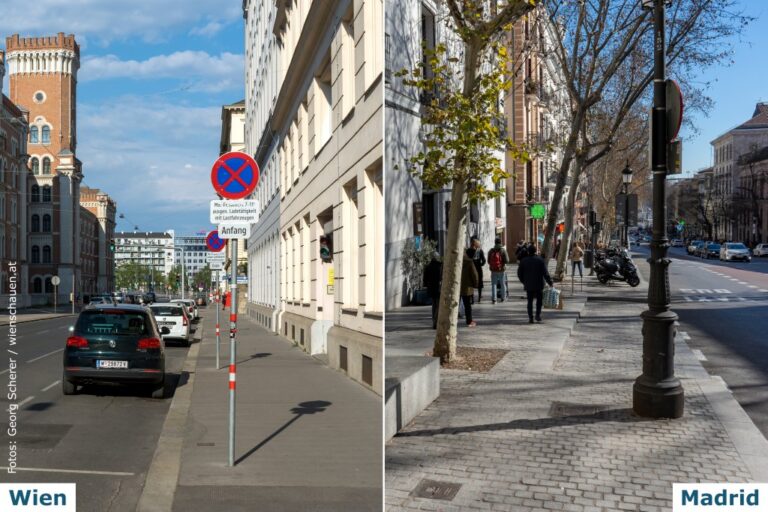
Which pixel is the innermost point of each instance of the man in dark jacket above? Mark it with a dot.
(532, 272)
(433, 275)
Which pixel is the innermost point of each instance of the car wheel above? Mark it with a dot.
(67, 387)
(159, 391)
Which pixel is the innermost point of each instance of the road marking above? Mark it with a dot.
(684, 335)
(75, 471)
(699, 354)
(761, 290)
(43, 332)
(26, 400)
(733, 279)
(723, 290)
(752, 286)
(45, 355)
(742, 282)
(49, 386)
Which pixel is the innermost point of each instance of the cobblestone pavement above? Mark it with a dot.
(562, 436)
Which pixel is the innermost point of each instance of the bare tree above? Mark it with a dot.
(602, 56)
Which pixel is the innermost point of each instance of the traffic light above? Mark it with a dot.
(592, 217)
(598, 227)
(178, 279)
(326, 248)
(112, 245)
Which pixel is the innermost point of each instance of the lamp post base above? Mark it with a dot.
(657, 393)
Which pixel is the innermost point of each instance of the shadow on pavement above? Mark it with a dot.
(613, 415)
(303, 409)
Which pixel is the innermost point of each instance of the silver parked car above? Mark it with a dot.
(760, 250)
(731, 251)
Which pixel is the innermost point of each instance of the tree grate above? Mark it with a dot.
(434, 490)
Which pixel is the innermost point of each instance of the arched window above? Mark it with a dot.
(46, 166)
(48, 285)
(46, 254)
(46, 194)
(35, 166)
(37, 285)
(33, 137)
(35, 223)
(46, 132)
(35, 254)
(46, 223)
(35, 194)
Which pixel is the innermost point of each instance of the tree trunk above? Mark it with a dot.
(562, 177)
(447, 318)
(569, 211)
(448, 315)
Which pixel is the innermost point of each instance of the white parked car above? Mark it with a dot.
(191, 307)
(175, 318)
(677, 243)
(731, 251)
(760, 250)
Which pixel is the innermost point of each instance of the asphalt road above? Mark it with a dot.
(102, 439)
(723, 310)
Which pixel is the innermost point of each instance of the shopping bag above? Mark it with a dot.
(551, 298)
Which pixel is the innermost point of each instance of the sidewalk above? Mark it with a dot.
(40, 313)
(308, 438)
(551, 427)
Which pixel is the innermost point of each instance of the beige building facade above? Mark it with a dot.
(327, 122)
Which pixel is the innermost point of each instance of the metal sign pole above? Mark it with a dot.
(218, 330)
(232, 351)
(55, 297)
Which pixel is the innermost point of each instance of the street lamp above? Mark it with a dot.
(657, 393)
(626, 179)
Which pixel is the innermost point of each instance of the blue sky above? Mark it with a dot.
(736, 88)
(153, 77)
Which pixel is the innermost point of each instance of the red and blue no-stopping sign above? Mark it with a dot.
(213, 241)
(234, 175)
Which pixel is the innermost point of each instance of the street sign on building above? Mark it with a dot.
(234, 175)
(234, 212)
(214, 242)
(231, 230)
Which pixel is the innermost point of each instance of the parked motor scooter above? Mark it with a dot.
(616, 265)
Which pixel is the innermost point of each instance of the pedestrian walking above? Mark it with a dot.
(433, 275)
(478, 259)
(532, 272)
(577, 259)
(469, 282)
(497, 261)
(521, 251)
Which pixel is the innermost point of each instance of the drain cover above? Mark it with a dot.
(562, 409)
(436, 490)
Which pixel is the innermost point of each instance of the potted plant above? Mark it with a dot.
(414, 258)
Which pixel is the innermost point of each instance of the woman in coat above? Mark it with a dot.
(476, 254)
(469, 281)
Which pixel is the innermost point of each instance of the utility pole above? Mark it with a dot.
(658, 393)
(232, 350)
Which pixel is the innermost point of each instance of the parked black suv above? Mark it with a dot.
(118, 344)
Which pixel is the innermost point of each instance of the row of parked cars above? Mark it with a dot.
(728, 251)
(124, 343)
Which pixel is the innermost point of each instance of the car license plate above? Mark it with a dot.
(166, 324)
(111, 364)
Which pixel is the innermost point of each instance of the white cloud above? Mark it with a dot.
(210, 29)
(153, 158)
(226, 68)
(102, 21)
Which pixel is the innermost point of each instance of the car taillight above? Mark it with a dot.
(77, 342)
(184, 319)
(145, 343)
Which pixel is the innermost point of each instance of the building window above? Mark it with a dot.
(34, 137)
(46, 254)
(35, 166)
(46, 135)
(35, 223)
(46, 166)
(323, 105)
(35, 254)
(48, 285)
(37, 285)
(46, 223)
(46, 194)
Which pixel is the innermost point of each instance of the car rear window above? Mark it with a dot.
(735, 246)
(714, 246)
(115, 322)
(166, 311)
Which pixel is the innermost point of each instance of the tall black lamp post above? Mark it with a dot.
(626, 179)
(657, 393)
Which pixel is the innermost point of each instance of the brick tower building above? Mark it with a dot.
(43, 80)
